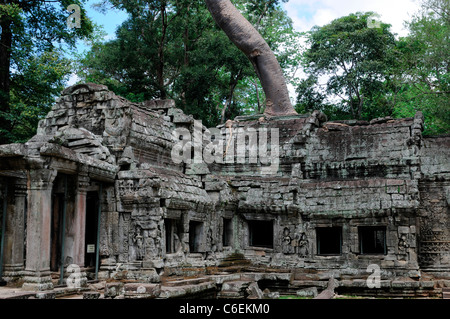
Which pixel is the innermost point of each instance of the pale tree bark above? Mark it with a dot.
(248, 40)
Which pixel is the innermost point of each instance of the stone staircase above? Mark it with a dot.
(184, 282)
(234, 262)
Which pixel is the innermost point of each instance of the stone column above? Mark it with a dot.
(78, 228)
(37, 269)
(14, 233)
(109, 232)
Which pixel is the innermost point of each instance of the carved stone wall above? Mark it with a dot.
(434, 212)
(157, 214)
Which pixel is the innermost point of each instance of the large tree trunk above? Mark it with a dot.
(249, 41)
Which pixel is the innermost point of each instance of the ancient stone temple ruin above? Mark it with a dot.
(98, 188)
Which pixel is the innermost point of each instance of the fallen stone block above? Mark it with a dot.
(254, 292)
(113, 289)
(308, 292)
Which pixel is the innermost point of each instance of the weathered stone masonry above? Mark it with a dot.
(347, 194)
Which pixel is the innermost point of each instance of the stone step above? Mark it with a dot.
(445, 293)
(235, 260)
(185, 282)
(17, 295)
(230, 295)
(188, 290)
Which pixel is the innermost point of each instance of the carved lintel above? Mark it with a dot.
(41, 178)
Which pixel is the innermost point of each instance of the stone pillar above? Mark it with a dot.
(14, 232)
(109, 233)
(78, 228)
(37, 269)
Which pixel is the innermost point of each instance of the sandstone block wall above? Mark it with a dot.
(347, 178)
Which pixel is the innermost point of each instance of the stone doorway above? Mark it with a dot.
(56, 231)
(3, 201)
(92, 206)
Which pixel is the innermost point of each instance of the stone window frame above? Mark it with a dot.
(360, 240)
(249, 234)
(318, 239)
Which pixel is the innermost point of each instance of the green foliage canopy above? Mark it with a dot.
(362, 72)
(354, 60)
(33, 66)
(423, 74)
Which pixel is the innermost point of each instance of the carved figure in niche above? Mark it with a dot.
(178, 244)
(403, 243)
(150, 250)
(303, 245)
(158, 246)
(138, 240)
(286, 241)
(211, 240)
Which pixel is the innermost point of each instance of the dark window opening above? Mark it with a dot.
(125, 167)
(295, 196)
(195, 236)
(227, 232)
(329, 240)
(260, 233)
(162, 202)
(372, 240)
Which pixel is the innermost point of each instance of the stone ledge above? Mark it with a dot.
(185, 291)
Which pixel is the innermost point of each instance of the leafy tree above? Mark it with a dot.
(308, 97)
(355, 62)
(40, 78)
(32, 66)
(423, 79)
